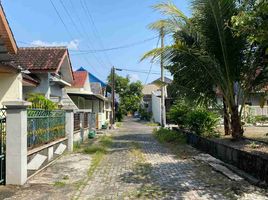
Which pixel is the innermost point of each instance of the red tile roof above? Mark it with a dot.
(80, 77)
(40, 58)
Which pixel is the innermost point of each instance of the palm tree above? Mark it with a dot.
(207, 55)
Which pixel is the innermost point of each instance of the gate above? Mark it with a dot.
(2, 145)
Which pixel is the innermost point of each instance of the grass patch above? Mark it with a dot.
(118, 124)
(59, 184)
(152, 124)
(164, 135)
(106, 141)
(96, 159)
(95, 149)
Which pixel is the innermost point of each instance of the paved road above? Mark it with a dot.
(137, 167)
(153, 172)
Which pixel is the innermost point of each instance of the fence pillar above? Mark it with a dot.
(16, 142)
(82, 126)
(69, 129)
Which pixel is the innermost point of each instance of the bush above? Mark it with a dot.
(164, 135)
(178, 112)
(40, 102)
(202, 122)
(261, 118)
(119, 115)
(144, 115)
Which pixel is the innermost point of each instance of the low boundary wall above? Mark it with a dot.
(253, 164)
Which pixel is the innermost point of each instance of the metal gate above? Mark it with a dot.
(2, 145)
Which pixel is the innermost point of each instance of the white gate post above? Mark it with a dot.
(69, 128)
(16, 142)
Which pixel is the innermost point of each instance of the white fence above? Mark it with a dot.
(255, 110)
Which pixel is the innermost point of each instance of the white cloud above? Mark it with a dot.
(72, 45)
(134, 77)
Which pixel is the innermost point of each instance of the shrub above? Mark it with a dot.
(178, 112)
(164, 135)
(202, 122)
(261, 118)
(40, 102)
(144, 115)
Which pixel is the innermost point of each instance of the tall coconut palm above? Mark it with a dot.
(206, 54)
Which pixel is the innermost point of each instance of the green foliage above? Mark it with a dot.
(119, 115)
(261, 118)
(94, 149)
(144, 115)
(196, 119)
(130, 95)
(251, 20)
(178, 112)
(164, 135)
(202, 122)
(40, 102)
(208, 54)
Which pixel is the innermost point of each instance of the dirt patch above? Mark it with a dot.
(254, 134)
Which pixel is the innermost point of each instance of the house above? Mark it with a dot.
(10, 73)
(152, 98)
(48, 71)
(90, 96)
(153, 87)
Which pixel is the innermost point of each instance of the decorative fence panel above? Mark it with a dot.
(76, 121)
(2, 145)
(44, 126)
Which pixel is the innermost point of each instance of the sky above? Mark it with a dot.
(87, 27)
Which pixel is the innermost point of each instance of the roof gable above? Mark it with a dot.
(41, 58)
(92, 78)
(80, 78)
(6, 34)
(166, 80)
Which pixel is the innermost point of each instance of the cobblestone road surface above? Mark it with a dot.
(138, 167)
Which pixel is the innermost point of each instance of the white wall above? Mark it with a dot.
(10, 87)
(156, 108)
(42, 88)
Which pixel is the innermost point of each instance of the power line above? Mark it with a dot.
(80, 33)
(151, 63)
(108, 49)
(113, 48)
(68, 31)
(95, 30)
(139, 71)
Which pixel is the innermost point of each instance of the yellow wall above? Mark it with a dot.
(10, 87)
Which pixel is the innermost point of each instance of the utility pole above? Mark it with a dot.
(163, 107)
(113, 94)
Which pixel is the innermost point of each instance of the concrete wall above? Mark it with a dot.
(156, 108)
(42, 156)
(10, 87)
(49, 90)
(42, 88)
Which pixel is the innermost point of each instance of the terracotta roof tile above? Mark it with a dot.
(80, 77)
(40, 58)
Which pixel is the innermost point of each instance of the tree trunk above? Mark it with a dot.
(226, 119)
(236, 127)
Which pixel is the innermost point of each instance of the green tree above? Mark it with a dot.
(207, 56)
(130, 93)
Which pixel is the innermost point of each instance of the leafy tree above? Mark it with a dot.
(130, 94)
(207, 56)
